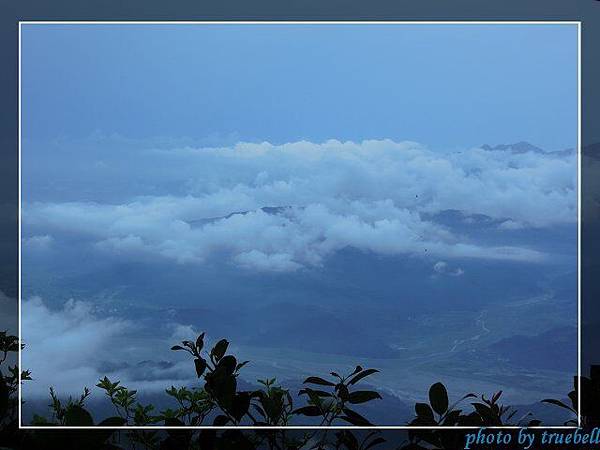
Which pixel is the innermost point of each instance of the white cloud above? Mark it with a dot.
(371, 195)
(68, 348)
(38, 242)
(63, 346)
(511, 225)
(441, 267)
(276, 262)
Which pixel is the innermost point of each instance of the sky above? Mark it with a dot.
(449, 86)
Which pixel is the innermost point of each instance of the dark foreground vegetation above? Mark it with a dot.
(329, 400)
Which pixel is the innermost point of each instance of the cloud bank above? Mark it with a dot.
(286, 207)
(77, 344)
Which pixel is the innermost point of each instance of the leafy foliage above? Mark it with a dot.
(333, 405)
(9, 383)
(218, 401)
(485, 412)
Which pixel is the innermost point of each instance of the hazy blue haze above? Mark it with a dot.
(448, 86)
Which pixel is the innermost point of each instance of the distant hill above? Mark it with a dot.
(556, 349)
(525, 147)
(271, 210)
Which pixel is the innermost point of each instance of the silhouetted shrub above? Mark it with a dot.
(218, 401)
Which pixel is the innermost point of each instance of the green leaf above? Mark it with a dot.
(309, 410)
(318, 380)
(342, 392)
(240, 365)
(314, 398)
(228, 364)
(219, 349)
(200, 366)
(77, 416)
(354, 418)
(316, 392)
(424, 411)
(361, 375)
(363, 396)
(191, 346)
(472, 420)
(222, 386)
(173, 422)
(221, 421)
(200, 342)
(438, 398)
(177, 347)
(40, 421)
(358, 369)
(496, 396)
(240, 406)
(486, 414)
(422, 422)
(452, 417)
(113, 422)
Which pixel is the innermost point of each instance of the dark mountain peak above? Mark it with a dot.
(565, 152)
(522, 147)
(271, 210)
(274, 209)
(516, 148)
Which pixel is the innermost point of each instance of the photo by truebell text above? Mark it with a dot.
(528, 438)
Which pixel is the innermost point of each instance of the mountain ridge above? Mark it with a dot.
(522, 147)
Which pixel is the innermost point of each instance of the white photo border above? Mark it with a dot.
(322, 22)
